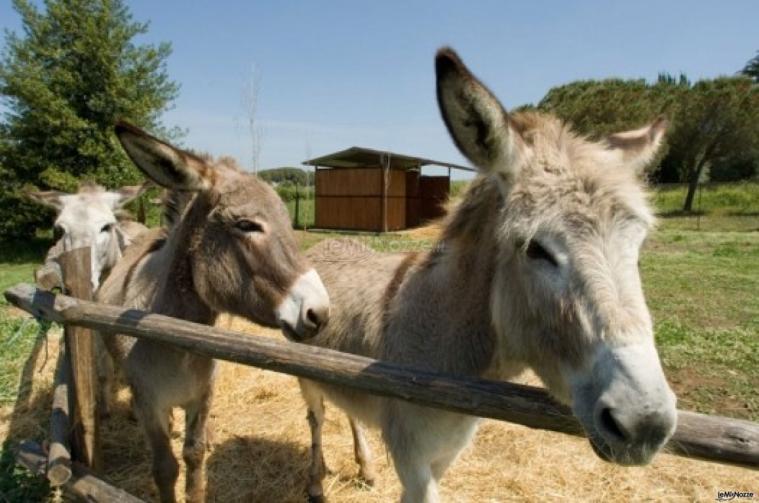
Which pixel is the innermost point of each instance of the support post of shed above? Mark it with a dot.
(383, 199)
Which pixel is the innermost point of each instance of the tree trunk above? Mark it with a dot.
(709, 152)
(695, 176)
(692, 186)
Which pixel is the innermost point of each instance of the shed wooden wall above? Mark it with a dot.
(433, 196)
(351, 198)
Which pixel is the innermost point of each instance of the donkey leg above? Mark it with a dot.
(195, 445)
(106, 382)
(362, 452)
(107, 377)
(423, 442)
(165, 466)
(318, 469)
(460, 430)
(410, 459)
(415, 474)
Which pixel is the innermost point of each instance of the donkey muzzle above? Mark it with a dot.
(627, 407)
(305, 309)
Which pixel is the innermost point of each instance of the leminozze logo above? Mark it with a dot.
(731, 495)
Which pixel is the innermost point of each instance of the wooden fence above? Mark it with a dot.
(73, 448)
(699, 436)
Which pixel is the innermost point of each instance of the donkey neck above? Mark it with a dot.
(445, 301)
(176, 295)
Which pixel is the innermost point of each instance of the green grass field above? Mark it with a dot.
(700, 274)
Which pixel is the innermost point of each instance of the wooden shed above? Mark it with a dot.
(372, 190)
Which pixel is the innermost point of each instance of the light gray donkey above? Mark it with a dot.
(92, 217)
(88, 218)
(229, 248)
(537, 267)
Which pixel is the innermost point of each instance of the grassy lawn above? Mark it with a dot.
(732, 199)
(702, 290)
(18, 335)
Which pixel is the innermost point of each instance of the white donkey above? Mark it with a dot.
(90, 217)
(537, 266)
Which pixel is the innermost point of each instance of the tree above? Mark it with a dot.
(72, 73)
(752, 68)
(713, 122)
(716, 122)
(295, 176)
(599, 107)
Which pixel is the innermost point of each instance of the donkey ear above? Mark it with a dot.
(165, 164)
(476, 120)
(638, 147)
(50, 198)
(124, 195)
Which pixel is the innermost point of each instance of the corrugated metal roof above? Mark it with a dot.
(360, 157)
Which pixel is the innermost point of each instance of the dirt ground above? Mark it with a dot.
(260, 451)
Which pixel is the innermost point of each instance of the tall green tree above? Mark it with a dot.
(600, 107)
(66, 79)
(716, 123)
(713, 122)
(752, 68)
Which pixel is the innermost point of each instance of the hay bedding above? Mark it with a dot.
(260, 452)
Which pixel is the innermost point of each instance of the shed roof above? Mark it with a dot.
(360, 157)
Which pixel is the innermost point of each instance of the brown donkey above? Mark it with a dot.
(229, 248)
(537, 267)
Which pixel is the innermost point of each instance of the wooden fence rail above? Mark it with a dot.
(700, 436)
(81, 485)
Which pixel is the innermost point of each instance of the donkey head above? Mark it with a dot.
(567, 297)
(242, 253)
(88, 219)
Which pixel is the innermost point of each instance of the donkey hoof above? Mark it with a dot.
(316, 498)
(367, 479)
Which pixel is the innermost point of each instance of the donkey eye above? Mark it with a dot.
(106, 228)
(536, 252)
(248, 226)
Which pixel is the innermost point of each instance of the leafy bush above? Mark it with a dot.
(291, 175)
(288, 192)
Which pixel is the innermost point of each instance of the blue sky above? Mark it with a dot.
(342, 73)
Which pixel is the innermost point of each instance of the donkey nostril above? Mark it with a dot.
(311, 315)
(611, 426)
(316, 317)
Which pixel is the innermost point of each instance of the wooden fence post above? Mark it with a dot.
(80, 351)
(59, 454)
